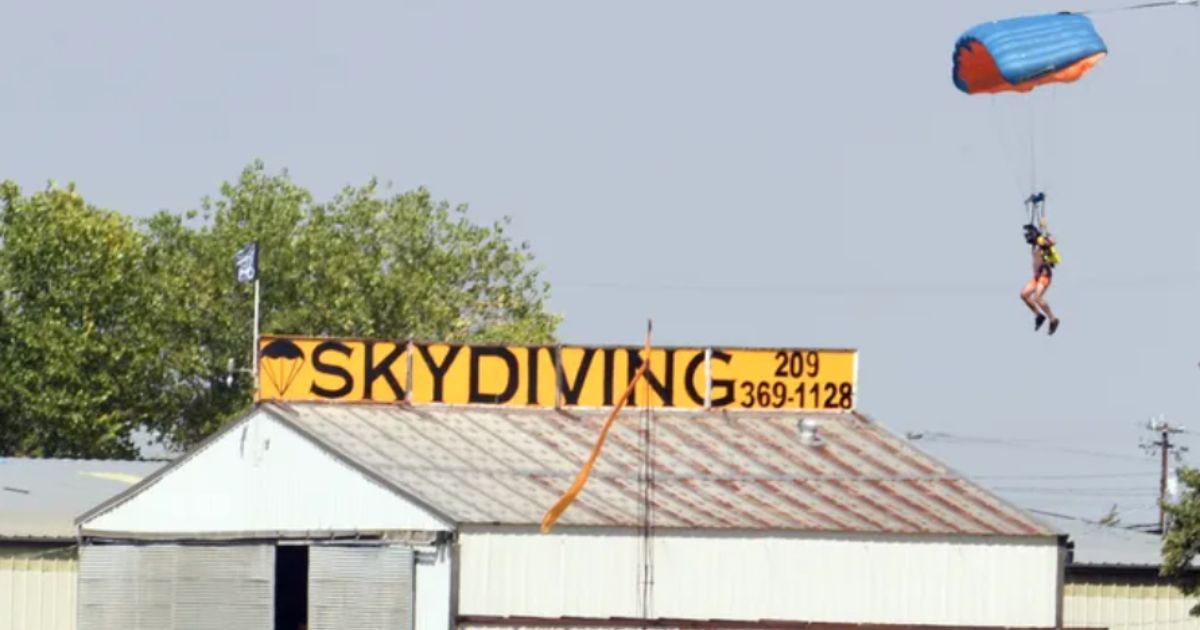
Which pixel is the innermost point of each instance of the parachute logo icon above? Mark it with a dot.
(281, 361)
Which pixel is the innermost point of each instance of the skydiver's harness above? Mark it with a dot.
(1036, 206)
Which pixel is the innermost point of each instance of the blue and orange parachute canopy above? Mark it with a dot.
(1019, 54)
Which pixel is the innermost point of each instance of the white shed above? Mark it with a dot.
(372, 516)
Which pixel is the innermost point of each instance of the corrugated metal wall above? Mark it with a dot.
(37, 590)
(176, 587)
(985, 582)
(40, 593)
(1127, 605)
(360, 588)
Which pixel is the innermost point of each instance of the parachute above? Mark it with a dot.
(1020, 54)
(281, 362)
(1020, 62)
(1017, 56)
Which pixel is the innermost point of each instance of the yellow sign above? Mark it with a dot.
(784, 379)
(332, 369)
(483, 374)
(382, 371)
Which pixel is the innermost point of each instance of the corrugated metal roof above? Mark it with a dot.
(723, 470)
(40, 498)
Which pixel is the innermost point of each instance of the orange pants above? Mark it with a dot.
(1042, 280)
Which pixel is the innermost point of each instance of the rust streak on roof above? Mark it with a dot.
(853, 500)
(805, 507)
(713, 469)
(932, 492)
(703, 449)
(694, 499)
(978, 497)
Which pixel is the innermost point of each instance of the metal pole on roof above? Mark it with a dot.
(708, 379)
(245, 263)
(254, 350)
(646, 481)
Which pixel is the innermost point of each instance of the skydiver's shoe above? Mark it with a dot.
(1053, 326)
(1037, 322)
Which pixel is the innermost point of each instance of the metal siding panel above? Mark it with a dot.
(156, 587)
(37, 593)
(360, 588)
(1119, 605)
(124, 587)
(218, 588)
(837, 579)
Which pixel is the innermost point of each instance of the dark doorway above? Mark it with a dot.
(291, 587)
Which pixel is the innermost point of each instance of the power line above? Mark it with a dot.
(1068, 477)
(1132, 527)
(1081, 519)
(1104, 492)
(975, 288)
(951, 438)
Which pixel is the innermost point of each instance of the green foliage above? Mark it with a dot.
(77, 336)
(108, 327)
(1182, 540)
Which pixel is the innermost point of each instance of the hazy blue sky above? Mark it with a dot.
(756, 173)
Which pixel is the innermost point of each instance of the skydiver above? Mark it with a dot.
(1045, 258)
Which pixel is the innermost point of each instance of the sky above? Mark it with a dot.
(771, 173)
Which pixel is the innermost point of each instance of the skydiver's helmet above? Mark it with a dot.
(1031, 233)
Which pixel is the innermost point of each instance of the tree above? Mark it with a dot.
(77, 340)
(362, 264)
(1182, 540)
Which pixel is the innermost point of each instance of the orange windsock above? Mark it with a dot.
(569, 496)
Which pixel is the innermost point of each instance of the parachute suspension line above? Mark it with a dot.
(1033, 183)
(1005, 140)
(1053, 148)
(1144, 5)
(1050, 129)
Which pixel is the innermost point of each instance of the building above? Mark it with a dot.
(1113, 581)
(39, 501)
(400, 515)
(401, 484)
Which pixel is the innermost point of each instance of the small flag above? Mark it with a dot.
(246, 262)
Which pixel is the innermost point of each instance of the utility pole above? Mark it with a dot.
(1165, 448)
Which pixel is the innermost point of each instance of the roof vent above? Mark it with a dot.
(808, 432)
